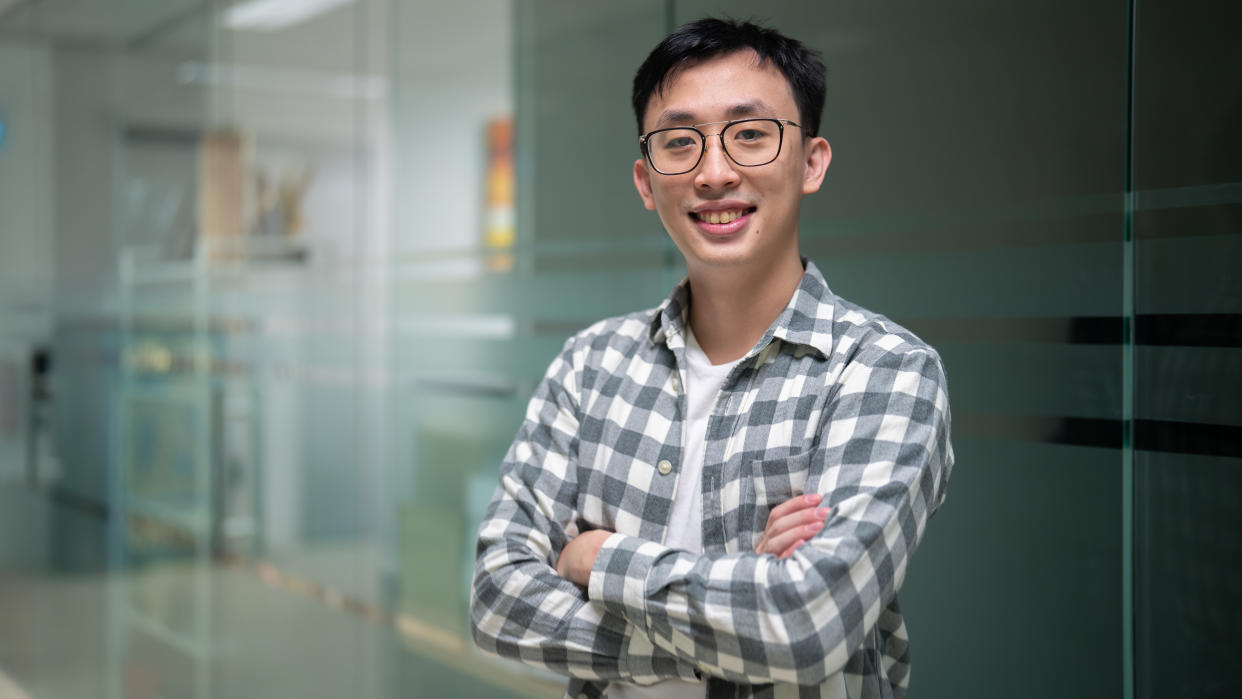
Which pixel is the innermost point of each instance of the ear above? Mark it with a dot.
(642, 182)
(818, 155)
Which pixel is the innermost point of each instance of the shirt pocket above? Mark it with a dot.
(767, 483)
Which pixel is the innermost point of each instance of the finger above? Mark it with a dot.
(793, 521)
(794, 504)
(790, 506)
(778, 531)
(789, 551)
(797, 519)
(779, 543)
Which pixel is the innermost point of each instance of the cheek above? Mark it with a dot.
(666, 205)
(668, 218)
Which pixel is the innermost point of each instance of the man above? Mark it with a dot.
(720, 496)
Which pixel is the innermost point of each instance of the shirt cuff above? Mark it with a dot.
(619, 577)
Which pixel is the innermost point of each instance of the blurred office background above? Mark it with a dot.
(278, 276)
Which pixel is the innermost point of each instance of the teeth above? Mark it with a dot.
(721, 216)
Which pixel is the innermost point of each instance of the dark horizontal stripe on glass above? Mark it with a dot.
(1178, 329)
(1199, 221)
(1164, 329)
(1082, 330)
(1149, 435)
(1188, 438)
(1076, 431)
(833, 239)
(468, 386)
(1159, 329)
(1189, 329)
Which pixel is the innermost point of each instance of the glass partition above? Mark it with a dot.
(276, 285)
(1187, 364)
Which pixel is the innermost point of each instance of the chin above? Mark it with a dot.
(721, 259)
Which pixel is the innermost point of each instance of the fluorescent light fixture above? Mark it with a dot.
(274, 15)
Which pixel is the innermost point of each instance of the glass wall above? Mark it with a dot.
(1186, 235)
(276, 284)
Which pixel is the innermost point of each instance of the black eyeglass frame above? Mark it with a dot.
(645, 139)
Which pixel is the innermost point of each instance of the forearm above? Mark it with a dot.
(765, 619)
(521, 609)
(761, 618)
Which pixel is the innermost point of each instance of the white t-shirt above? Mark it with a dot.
(703, 381)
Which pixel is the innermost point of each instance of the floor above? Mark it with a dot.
(309, 624)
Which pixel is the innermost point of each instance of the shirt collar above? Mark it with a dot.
(806, 319)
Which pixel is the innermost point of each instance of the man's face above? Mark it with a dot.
(764, 199)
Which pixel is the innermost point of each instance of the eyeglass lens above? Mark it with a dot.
(749, 143)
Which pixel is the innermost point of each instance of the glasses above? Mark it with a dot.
(748, 142)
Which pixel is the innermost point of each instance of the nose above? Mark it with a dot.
(717, 170)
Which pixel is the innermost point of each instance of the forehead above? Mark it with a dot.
(731, 86)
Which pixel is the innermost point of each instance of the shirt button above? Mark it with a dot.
(665, 467)
(676, 383)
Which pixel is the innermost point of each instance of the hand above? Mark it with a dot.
(578, 556)
(791, 523)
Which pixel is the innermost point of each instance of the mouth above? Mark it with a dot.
(721, 217)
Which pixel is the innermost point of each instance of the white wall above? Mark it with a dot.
(452, 72)
(26, 268)
(26, 238)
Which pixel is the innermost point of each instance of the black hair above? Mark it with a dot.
(711, 37)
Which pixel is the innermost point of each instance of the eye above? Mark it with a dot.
(749, 135)
(677, 142)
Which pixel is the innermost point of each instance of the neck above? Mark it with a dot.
(730, 309)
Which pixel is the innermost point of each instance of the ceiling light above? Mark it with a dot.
(274, 15)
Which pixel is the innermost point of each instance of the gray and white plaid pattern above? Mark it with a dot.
(833, 399)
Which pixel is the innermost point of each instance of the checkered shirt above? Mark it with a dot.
(833, 399)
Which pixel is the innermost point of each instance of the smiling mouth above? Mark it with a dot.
(721, 216)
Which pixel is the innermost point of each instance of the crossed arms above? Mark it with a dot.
(650, 612)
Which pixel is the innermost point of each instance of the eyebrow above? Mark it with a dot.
(737, 111)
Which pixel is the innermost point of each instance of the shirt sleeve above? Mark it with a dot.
(882, 463)
(520, 608)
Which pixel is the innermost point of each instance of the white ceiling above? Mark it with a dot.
(317, 79)
(349, 37)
